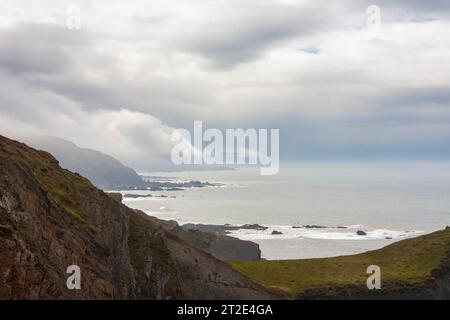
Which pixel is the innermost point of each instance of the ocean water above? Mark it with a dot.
(388, 201)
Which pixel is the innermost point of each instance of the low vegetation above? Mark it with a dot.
(408, 264)
(62, 186)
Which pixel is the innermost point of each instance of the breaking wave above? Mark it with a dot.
(342, 233)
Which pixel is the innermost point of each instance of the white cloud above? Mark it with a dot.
(136, 138)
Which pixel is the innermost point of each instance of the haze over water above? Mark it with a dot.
(390, 201)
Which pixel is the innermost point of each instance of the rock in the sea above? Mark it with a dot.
(223, 229)
(361, 233)
(275, 232)
(253, 227)
(388, 238)
(313, 226)
(136, 196)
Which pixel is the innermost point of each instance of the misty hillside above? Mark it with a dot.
(102, 170)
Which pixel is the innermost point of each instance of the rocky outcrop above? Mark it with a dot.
(222, 229)
(52, 218)
(213, 239)
(222, 247)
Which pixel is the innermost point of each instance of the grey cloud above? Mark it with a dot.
(327, 142)
(245, 34)
(122, 91)
(416, 5)
(55, 59)
(408, 10)
(38, 48)
(412, 106)
(138, 139)
(432, 95)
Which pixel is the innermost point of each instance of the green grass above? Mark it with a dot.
(407, 263)
(63, 186)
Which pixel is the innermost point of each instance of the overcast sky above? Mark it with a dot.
(137, 69)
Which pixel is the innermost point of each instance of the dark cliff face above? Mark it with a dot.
(51, 218)
(222, 247)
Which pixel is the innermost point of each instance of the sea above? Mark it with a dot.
(388, 201)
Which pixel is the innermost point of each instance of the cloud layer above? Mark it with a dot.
(134, 71)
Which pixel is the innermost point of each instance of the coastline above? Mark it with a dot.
(291, 241)
(386, 202)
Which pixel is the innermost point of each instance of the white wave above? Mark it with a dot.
(161, 212)
(155, 198)
(138, 199)
(323, 233)
(354, 226)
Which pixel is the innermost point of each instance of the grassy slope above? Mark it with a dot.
(405, 264)
(62, 185)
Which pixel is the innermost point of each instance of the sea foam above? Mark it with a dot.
(288, 232)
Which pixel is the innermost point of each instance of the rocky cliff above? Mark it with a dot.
(222, 247)
(51, 218)
(219, 245)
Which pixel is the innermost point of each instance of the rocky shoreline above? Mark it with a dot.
(222, 229)
(226, 229)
